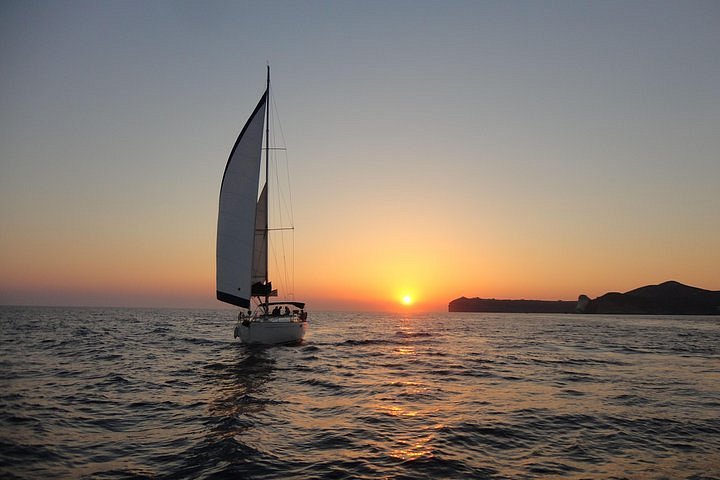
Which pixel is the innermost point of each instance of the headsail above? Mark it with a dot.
(237, 212)
(260, 252)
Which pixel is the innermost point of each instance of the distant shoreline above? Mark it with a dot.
(668, 298)
(491, 305)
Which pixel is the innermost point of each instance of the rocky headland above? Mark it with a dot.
(464, 304)
(668, 298)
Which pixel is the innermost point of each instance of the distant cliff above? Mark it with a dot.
(463, 304)
(669, 298)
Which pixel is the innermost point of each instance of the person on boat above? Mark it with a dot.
(276, 312)
(287, 311)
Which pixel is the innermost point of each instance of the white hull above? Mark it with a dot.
(271, 332)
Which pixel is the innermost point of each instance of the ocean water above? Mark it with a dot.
(132, 393)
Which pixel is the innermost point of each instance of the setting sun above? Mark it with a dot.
(407, 300)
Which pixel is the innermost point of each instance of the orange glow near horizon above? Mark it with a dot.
(412, 268)
(416, 273)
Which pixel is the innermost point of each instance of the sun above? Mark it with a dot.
(407, 300)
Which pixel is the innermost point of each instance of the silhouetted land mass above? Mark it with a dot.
(669, 298)
(463, 304)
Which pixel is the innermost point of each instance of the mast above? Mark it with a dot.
(267, 181)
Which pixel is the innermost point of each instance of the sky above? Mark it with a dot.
(436, 149)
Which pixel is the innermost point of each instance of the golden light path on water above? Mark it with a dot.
(418, 443)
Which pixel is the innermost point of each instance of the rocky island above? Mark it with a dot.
(668, 298)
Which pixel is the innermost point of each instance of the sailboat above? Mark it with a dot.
(242, 240)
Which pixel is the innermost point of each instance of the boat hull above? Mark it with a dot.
(271, 332)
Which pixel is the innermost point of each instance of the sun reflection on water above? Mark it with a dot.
(411, 388)
(412, 449)
(405, 351)
(396, 411)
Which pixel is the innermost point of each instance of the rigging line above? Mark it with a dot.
(290, 271)
(282, 265)
(273, 253)
(289, 201)
(280, 275)
(283, 205)
(292, 266)
(276, 171)
(280, 257)
(278, 190)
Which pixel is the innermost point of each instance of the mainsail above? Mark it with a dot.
(237, 213)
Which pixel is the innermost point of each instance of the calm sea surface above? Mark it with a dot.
(128, 393)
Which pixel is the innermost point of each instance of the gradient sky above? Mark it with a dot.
(504, 149)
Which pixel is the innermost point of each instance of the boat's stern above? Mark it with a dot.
(271, 333)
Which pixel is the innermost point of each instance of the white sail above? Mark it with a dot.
(242, 241)
(260, 251)
(237, 212)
